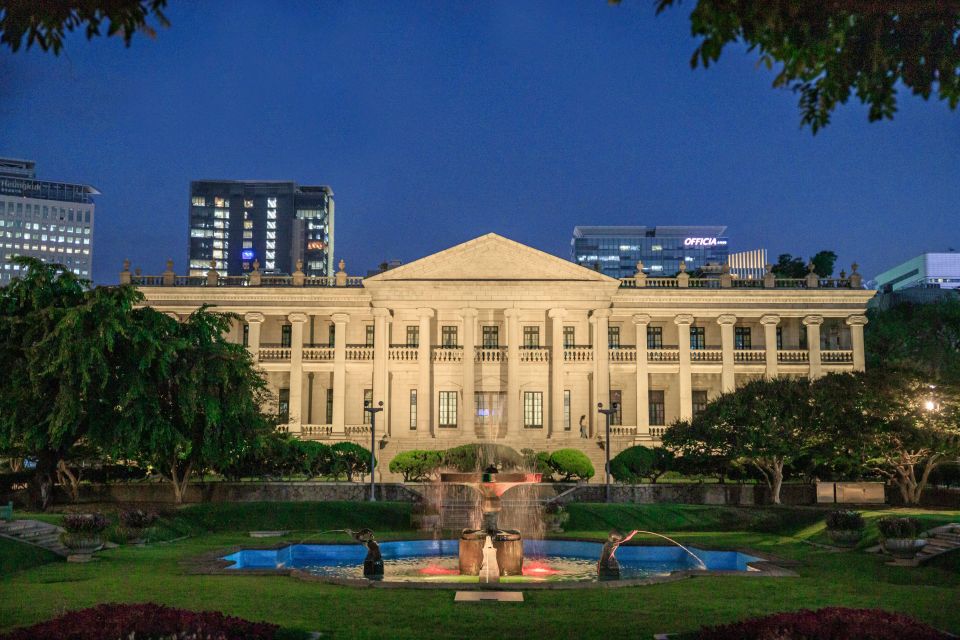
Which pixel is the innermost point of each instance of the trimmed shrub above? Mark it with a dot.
(144, 621)
(137, 518)
(312, 459)
(845, 520)
(892, 527)
(84, 523)
(349, 459)
(635, 463)
(571, 464)
(416, 464)
(474, 457)
(825, 624)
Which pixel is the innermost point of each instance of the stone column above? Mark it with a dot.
(770, 324)
(469, 318)
(727, 379)
(556, 371)
(514, 405)
(254, 320)
(812, 323)
(424, 367)
(381, 346)
(856, 341)
(297, 320)
(340, 321)
(683, 322)
(641, 321)
(601, 359)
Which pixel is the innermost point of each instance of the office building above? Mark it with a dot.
(494, 340)
(44, 219)
(615, 251)
(239, 224)
(929, 277)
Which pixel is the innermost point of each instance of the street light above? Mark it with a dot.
(607, 412)
(373, 446)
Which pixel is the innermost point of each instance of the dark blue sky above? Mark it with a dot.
(435, 122)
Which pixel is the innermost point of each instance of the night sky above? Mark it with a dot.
(438, 122)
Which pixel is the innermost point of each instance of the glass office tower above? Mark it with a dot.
(236, 222)
(615, 250)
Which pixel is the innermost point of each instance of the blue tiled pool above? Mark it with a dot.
(436, 560)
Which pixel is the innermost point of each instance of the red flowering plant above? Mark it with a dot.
(833, 623)
(144, 622)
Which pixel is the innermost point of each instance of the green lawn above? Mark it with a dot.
(158, 573)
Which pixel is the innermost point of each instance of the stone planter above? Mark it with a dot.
(903, 548)
(845, 537)
(82, 544)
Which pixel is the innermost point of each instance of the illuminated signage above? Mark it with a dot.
(704, 242)
(246, 254)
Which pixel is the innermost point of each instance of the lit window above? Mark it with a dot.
(248, 204)
(448, 409)
(413, 409)
(271, 203)
(533, 409)
(199, 201)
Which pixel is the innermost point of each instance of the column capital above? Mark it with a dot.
(812, 320)
(380, 312)
(468, 312)
(770, 319)
(641, 318)
(557, 314)
(511, 313)
(683, 318)
(857, 321)
(727, 319)
(297, 317)
(340, 318)
(601, 313)
(172, 314)
(424, 312)
(254, 317)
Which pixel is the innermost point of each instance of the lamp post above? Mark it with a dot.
(607, 412)
(373, 411)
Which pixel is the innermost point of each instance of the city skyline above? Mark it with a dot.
(437, 125)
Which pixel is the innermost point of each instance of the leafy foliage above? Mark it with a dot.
(571, 464)
(638, 462)
(417, 464)
(350, 459)
(845, 520)
(790, 267)
(831, 50)
(84, 522)
(893, 527)
(924, 338)
(46, 23)
(474, 457)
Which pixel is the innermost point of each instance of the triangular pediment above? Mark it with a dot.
(491, 257)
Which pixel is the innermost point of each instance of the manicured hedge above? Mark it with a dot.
(417, 464)
(572, 464)
(834, 623)
(143, 622)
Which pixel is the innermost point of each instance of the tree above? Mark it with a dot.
(416, 465)
(830, 50)
(46, 23)
(790, 267)
(66, 354)
(350, 459)
(571, 463)
(638, 462)
(198, 396)
(923, 338)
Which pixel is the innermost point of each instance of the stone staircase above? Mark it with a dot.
(39, 534)
(940, 540)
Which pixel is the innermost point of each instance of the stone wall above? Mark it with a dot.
(692, 493)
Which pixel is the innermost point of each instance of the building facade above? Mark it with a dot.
(236, 223)
(52, 221)
(492, 340)
(615, 251)
(931, 270)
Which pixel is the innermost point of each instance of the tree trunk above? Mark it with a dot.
(180, 477)
(777, 480)
(72, 482)
(42, 492)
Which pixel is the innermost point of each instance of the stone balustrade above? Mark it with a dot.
(534, 354)
(837, 356)
(663, 355)
(706, 355)
(623, 354)
(447, 354)
(403, 354)
(578, 354)
(318, 354)
(749, 355)
(490, 354)
(790, 356)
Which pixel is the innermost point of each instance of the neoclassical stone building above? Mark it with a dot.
(493, 340)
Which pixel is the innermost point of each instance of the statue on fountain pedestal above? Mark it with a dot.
(608, 568)
(373, 563)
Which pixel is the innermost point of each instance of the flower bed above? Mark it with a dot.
(833, 623)
(144, 622)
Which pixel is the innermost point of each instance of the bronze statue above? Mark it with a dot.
(608, 568)
(373, 563)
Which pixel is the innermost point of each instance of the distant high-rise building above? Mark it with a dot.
(751, 265)
(615, 251)
(234, 223)
(52, 221)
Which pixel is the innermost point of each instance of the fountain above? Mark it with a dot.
(507, 545)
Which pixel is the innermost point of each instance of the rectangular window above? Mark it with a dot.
(699, 401)
(654, 337)
(569, 336)
(448, 336)
(329, 406)
(742, 338)
(616, 403)
(413, 409)
(368, 337)
(658, 414)
(285, 333)
(698, 338)
(566, 410)
(613, 337)
(283, 405)
(448, 409)
(533, 409)
(246, 334)
(197, 201)
(367, 402)
(803, 336)
(413, 336)
(332, 335)
(491, 337)
(779, 338)
(531, 337)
